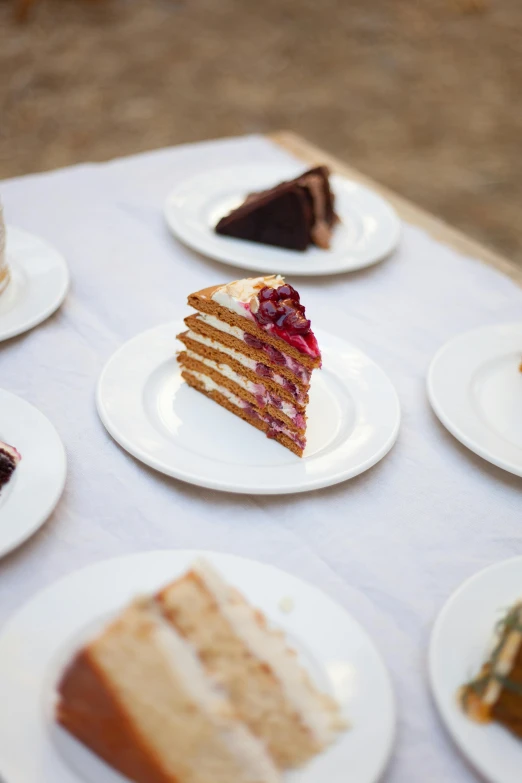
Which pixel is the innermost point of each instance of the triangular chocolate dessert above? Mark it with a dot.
(292, 215)
(281, 216)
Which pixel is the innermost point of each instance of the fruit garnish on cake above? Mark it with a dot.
(496, 693)
(294, 214)
(250, 348)
(4, 269)
(192, 685)
(9, 459)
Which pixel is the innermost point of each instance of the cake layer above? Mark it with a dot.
(139, 696)
(257, 351)
(203, 301)
(269, 689)
(266, 423)
(260, 400)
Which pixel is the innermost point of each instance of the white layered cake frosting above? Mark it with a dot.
(4, 269)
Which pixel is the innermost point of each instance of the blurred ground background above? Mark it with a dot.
(423, 96)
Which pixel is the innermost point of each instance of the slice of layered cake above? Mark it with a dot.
(267, 686)
(251, 349)
(9, 459)
(293, 214)
(193, 686)
(140, 698)
(4, 269)
(496, 693)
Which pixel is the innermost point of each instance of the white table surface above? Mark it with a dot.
(390, 545)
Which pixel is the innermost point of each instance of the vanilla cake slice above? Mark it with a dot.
(140, 698)
(267, 686)
(251, 349)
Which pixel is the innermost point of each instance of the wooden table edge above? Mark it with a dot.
(408, 211)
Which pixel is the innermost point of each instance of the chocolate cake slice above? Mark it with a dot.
(293, 214)
(9, 459)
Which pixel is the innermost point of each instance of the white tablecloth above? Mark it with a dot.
(390, 545)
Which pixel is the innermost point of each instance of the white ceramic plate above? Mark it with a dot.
(353, 420)
(369, 229)
(460, 643)
(39, 283)
(475, 389)
(37, 483)
(39, 640)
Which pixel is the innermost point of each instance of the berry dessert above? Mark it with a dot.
(250, 347)
(9, 459)
(294, 214)
(192, 685)
(4, 269)
(496, 693)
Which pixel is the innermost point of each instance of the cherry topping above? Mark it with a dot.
(281, 312)
(267, 313)
(296, 323)
(268, 294)
(287, 292)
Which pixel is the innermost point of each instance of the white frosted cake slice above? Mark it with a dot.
(193, 686)
(251, 349)
(139, 697)
(4, 269)
(270, 690)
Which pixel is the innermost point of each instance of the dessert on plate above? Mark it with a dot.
(270, 691)
(251, 349)
(293, 214)
(192, 686)
(496, 693)
(4, 269)
(9, 459)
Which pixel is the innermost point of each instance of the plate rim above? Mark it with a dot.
(41, 518)
(262, 266)
(389, 691)
(58, 300)
(216, 484)
(459, 434)
(434, 642)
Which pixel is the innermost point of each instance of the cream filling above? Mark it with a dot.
(235, 331)
(320, 718)
(188, 671)
(258, 389)
(240, 296)
(210, 385)
(222, 326)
